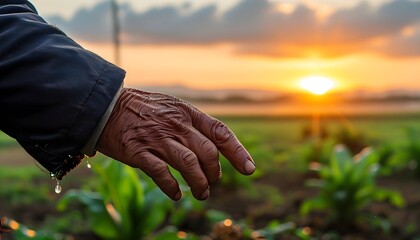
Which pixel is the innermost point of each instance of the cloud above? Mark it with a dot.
(87, 24)
(403, 46)
(257, 27)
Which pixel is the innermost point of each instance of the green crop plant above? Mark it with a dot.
(347, 185)
(348, 136)
(123, 206)
(411, 151)
(390, 158)
(317, 151)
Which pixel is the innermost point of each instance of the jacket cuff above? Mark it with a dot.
(100, 95)
(90, 147)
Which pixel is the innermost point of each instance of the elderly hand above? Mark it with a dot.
(150, 130)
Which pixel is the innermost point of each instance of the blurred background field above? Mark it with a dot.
(267, 205)
(324, 94)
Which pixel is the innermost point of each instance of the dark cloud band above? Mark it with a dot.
(256, 27)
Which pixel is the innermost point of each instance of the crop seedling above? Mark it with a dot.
(347, 185)
(123, 206)
(412, 150)
(348, 136)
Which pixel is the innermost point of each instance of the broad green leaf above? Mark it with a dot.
(340, 161)
(312, 204)
(394, 197)
(123, 188)
(100, 220)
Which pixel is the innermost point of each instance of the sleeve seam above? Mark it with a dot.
(83, 106)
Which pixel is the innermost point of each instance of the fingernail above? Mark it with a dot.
(178, 196)
(205, 195)
(249, 167)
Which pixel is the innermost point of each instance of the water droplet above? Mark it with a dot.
(58, 188)
(88, 165)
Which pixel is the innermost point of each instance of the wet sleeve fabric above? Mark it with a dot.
(53, 92)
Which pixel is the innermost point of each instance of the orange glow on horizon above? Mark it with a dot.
(219, 67)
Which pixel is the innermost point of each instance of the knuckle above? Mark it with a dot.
(238, 149)
(181, 125)
(213, 172)
(136, 159)
(189, 159)
(157, 169)
(221, 132)
(209, 150)
(171, 184)
(202, 184)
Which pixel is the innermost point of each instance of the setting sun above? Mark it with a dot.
(317, 85)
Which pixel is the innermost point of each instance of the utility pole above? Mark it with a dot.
(115, 31)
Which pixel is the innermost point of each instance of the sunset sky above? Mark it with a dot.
(266, 44)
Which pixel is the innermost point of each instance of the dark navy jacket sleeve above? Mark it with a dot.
(52, 91)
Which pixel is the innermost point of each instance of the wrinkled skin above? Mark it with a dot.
(150, 130)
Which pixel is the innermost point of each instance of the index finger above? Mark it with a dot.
(225, 140)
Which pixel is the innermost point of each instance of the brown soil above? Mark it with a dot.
(291, 187)
(288, 191)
